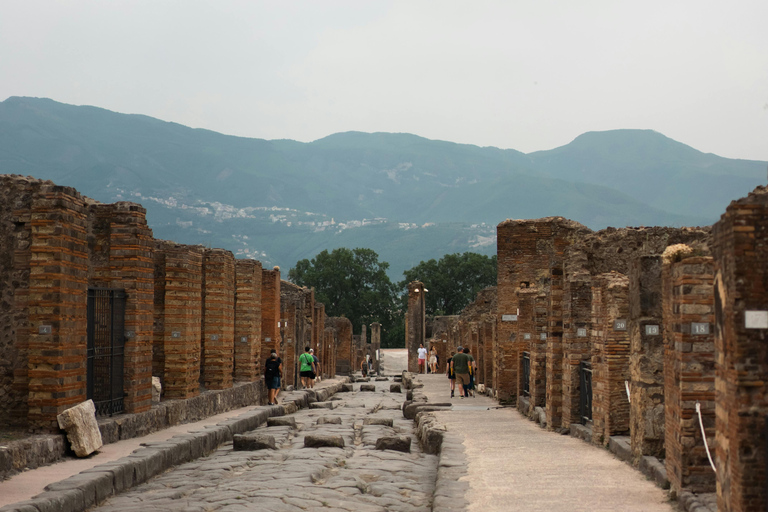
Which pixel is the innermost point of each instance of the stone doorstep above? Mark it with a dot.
(84, 490)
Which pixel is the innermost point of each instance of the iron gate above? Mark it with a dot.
(585, 391)
(526, 374)
(106, 344)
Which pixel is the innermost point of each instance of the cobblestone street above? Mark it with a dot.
(354, 478)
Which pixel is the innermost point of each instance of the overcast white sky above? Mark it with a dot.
(527, 75)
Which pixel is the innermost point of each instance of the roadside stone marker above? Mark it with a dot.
(82, 429)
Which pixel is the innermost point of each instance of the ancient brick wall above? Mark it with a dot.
(330, 336)
(218, 321)
(270, 311)
(646, 365)
(577, 347)
(415, 328)
(121, 250)
(342, 328)
(689, 370)
(297, 326)
(248, 363)
(741, 304)
(610, 356)
(178, 313)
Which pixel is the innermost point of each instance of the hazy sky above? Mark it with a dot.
(527, 75)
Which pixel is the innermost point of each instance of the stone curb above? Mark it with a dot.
(450, 493)
(84, 490)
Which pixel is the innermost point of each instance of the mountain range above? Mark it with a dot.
(404, 196)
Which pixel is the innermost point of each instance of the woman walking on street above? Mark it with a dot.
(451, 375)
(273, 371)
(433, 360)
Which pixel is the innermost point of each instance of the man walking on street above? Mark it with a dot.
(460, 364)
(422, 358)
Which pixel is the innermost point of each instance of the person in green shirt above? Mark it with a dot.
(460, 363)
(306, 367)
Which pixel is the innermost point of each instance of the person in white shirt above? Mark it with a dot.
(422, 358)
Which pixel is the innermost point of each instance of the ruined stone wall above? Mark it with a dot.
(689, 370)
(577, 347)
(415, 323)
(741, 351)
(218, 321)
(270, 312)
(342, 328)
(248, 363)
(297, 305)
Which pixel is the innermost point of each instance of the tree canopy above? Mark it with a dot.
(453, 281)
(351, 283)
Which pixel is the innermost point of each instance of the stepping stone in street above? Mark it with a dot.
(367, 387)
(397, 443)
(346, 388)
(251, 442)
(364, 379)
(281, 421)
(387, 422)
(381, 379)
(318, 441)
(325, 420)
(398, 379)
(395, 388)
(321, 405)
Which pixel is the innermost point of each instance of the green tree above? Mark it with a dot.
(351, 283)
(453, 281)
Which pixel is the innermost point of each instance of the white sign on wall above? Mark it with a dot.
(756, 319)
(509, 318)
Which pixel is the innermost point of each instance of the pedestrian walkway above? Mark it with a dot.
(24, 486)
(513, 464)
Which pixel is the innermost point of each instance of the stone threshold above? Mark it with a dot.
(91, 487)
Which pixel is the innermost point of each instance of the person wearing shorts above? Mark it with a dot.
(460, 364)
(315, 367)
(451, 375)
(422, 358)
(306, 368)
(273, 371)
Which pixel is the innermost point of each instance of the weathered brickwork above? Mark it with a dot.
(646, 365)
(270, 312)
(689, 370)
(343, 340)
(741, 301)
(415, 327)
(247, 320)
(218, 320)
(577, 330)
(297, 329)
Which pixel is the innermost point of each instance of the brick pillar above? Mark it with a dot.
(331, 339)
(218, 326)
(577, 346)
(538, 351)
(343, 328)
(248, 361)
(178, 313)
(318, 333)
(293, 346)
(58, 284)
(376, 344)
(122, 257)
(741, 350)
(554, 398)
(646, 366)
(489, 336)
(526, 325)
(414, 323)
(610, 356)
(689, 371)
(270, 311)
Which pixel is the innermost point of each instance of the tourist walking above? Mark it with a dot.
(306, 367)
(449, 372)
(422, 358)
(460, 363)
(273, 373)
(364, 367)
(433, 360)
(315, 368)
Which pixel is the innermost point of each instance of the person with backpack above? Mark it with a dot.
(460, 364)
(450, 374)
(306, 368)
(273, 372)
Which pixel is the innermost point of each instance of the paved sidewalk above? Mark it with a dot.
(27, 484)
(513, 464)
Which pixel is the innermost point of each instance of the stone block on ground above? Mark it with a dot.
(381, 379)
(367, 387)
(250, 442)
(411, 410)
(387, 422)
(82, 428)
(395, 388)
(281, 421)
(364, 379)
(347, 388)
(398, 378)
(397, 443)
(318, 441)
(620, 446)
(289, 408)
(321, 405)
(325, 420)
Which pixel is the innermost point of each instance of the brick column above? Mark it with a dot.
(526, 331)
(270, 311)
(646, 366)
(554, 398)
(178, 313)
(343, 329)
(58, 283)
(376, 344)
(689, 371)
(538, 351)
(489, 337)
(741, 301)
(414, 323)
(577, 346)
(610, 356)
(218, 326)
(248, 361)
